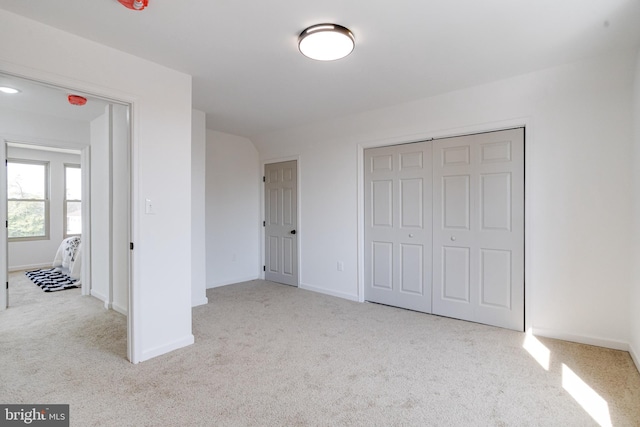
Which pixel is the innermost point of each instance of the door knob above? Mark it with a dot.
(453, 238)
(293, 231)
(411, 235)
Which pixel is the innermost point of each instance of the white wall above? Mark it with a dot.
(578, 176)
(233, 182)
(24, 255)
(635, 296)
(198, 195)
(161, 112)
(110, 208)
(100, 212)
(120, 208)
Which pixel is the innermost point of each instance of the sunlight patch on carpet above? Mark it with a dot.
(591, 402)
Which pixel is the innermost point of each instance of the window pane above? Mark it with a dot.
(73, 179)
(26, 219)
(25, 181)
(74, 218)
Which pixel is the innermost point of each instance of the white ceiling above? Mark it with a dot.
(52, 101)
(249, 77)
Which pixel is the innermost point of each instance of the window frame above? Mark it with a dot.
(65, 200)
(46, 200)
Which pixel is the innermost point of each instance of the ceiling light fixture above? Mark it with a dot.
(134, 4)
(326, 42)
(7, 89)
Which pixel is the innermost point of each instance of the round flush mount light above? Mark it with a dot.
(326, 42)
(9, 90)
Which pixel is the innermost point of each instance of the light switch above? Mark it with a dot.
(148, 207)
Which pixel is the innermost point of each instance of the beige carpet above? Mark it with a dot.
(272, 355)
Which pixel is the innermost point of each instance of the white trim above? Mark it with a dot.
(233, 281)
(157, 351)
(85, 261)
(329, 292)
(101, 297)
(119, 308)
(4, 234)
(581, 339)
(635, 356)
(198, 302)
(13, 269)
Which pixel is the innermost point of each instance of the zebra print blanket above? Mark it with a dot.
(51, 280)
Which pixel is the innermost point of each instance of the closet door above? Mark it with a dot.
(398, 226)
(478, 228)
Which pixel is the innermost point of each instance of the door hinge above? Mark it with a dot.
(264, 179)
(264, 268)
(7, 285)
(6, 224)
(264, 223)
(130, 245)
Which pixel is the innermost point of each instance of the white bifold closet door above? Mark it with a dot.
(478, 233)
(472, 238)
(398, 226)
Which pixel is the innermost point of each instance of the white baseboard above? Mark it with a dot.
(200, 301)
(118, 308)
(582, 339)
(328, 292)
(635, 357)
(157, 351)
(98, 295)
(231, 281)
(28, 267)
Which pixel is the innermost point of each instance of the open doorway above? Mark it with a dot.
(39, 126)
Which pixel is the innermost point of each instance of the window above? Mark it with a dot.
(28, 199)
(72, 200)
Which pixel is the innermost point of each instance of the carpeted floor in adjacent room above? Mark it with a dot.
(273, 355)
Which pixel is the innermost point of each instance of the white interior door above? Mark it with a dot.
(398, 226)
(4, 238)
(478, 235)
(281, 218)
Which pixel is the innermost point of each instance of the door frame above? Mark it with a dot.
(524, 122)
(114, 97)
(262, 252)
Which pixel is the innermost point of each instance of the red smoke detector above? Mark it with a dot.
(134, 4)
(77, 100)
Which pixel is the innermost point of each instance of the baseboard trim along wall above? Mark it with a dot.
(98, 295)
(582, 339)
(201, 301)
(29, 267)
(328, 292)
(635, 357)
(231, 281)
(157, 351)
(119, 309)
